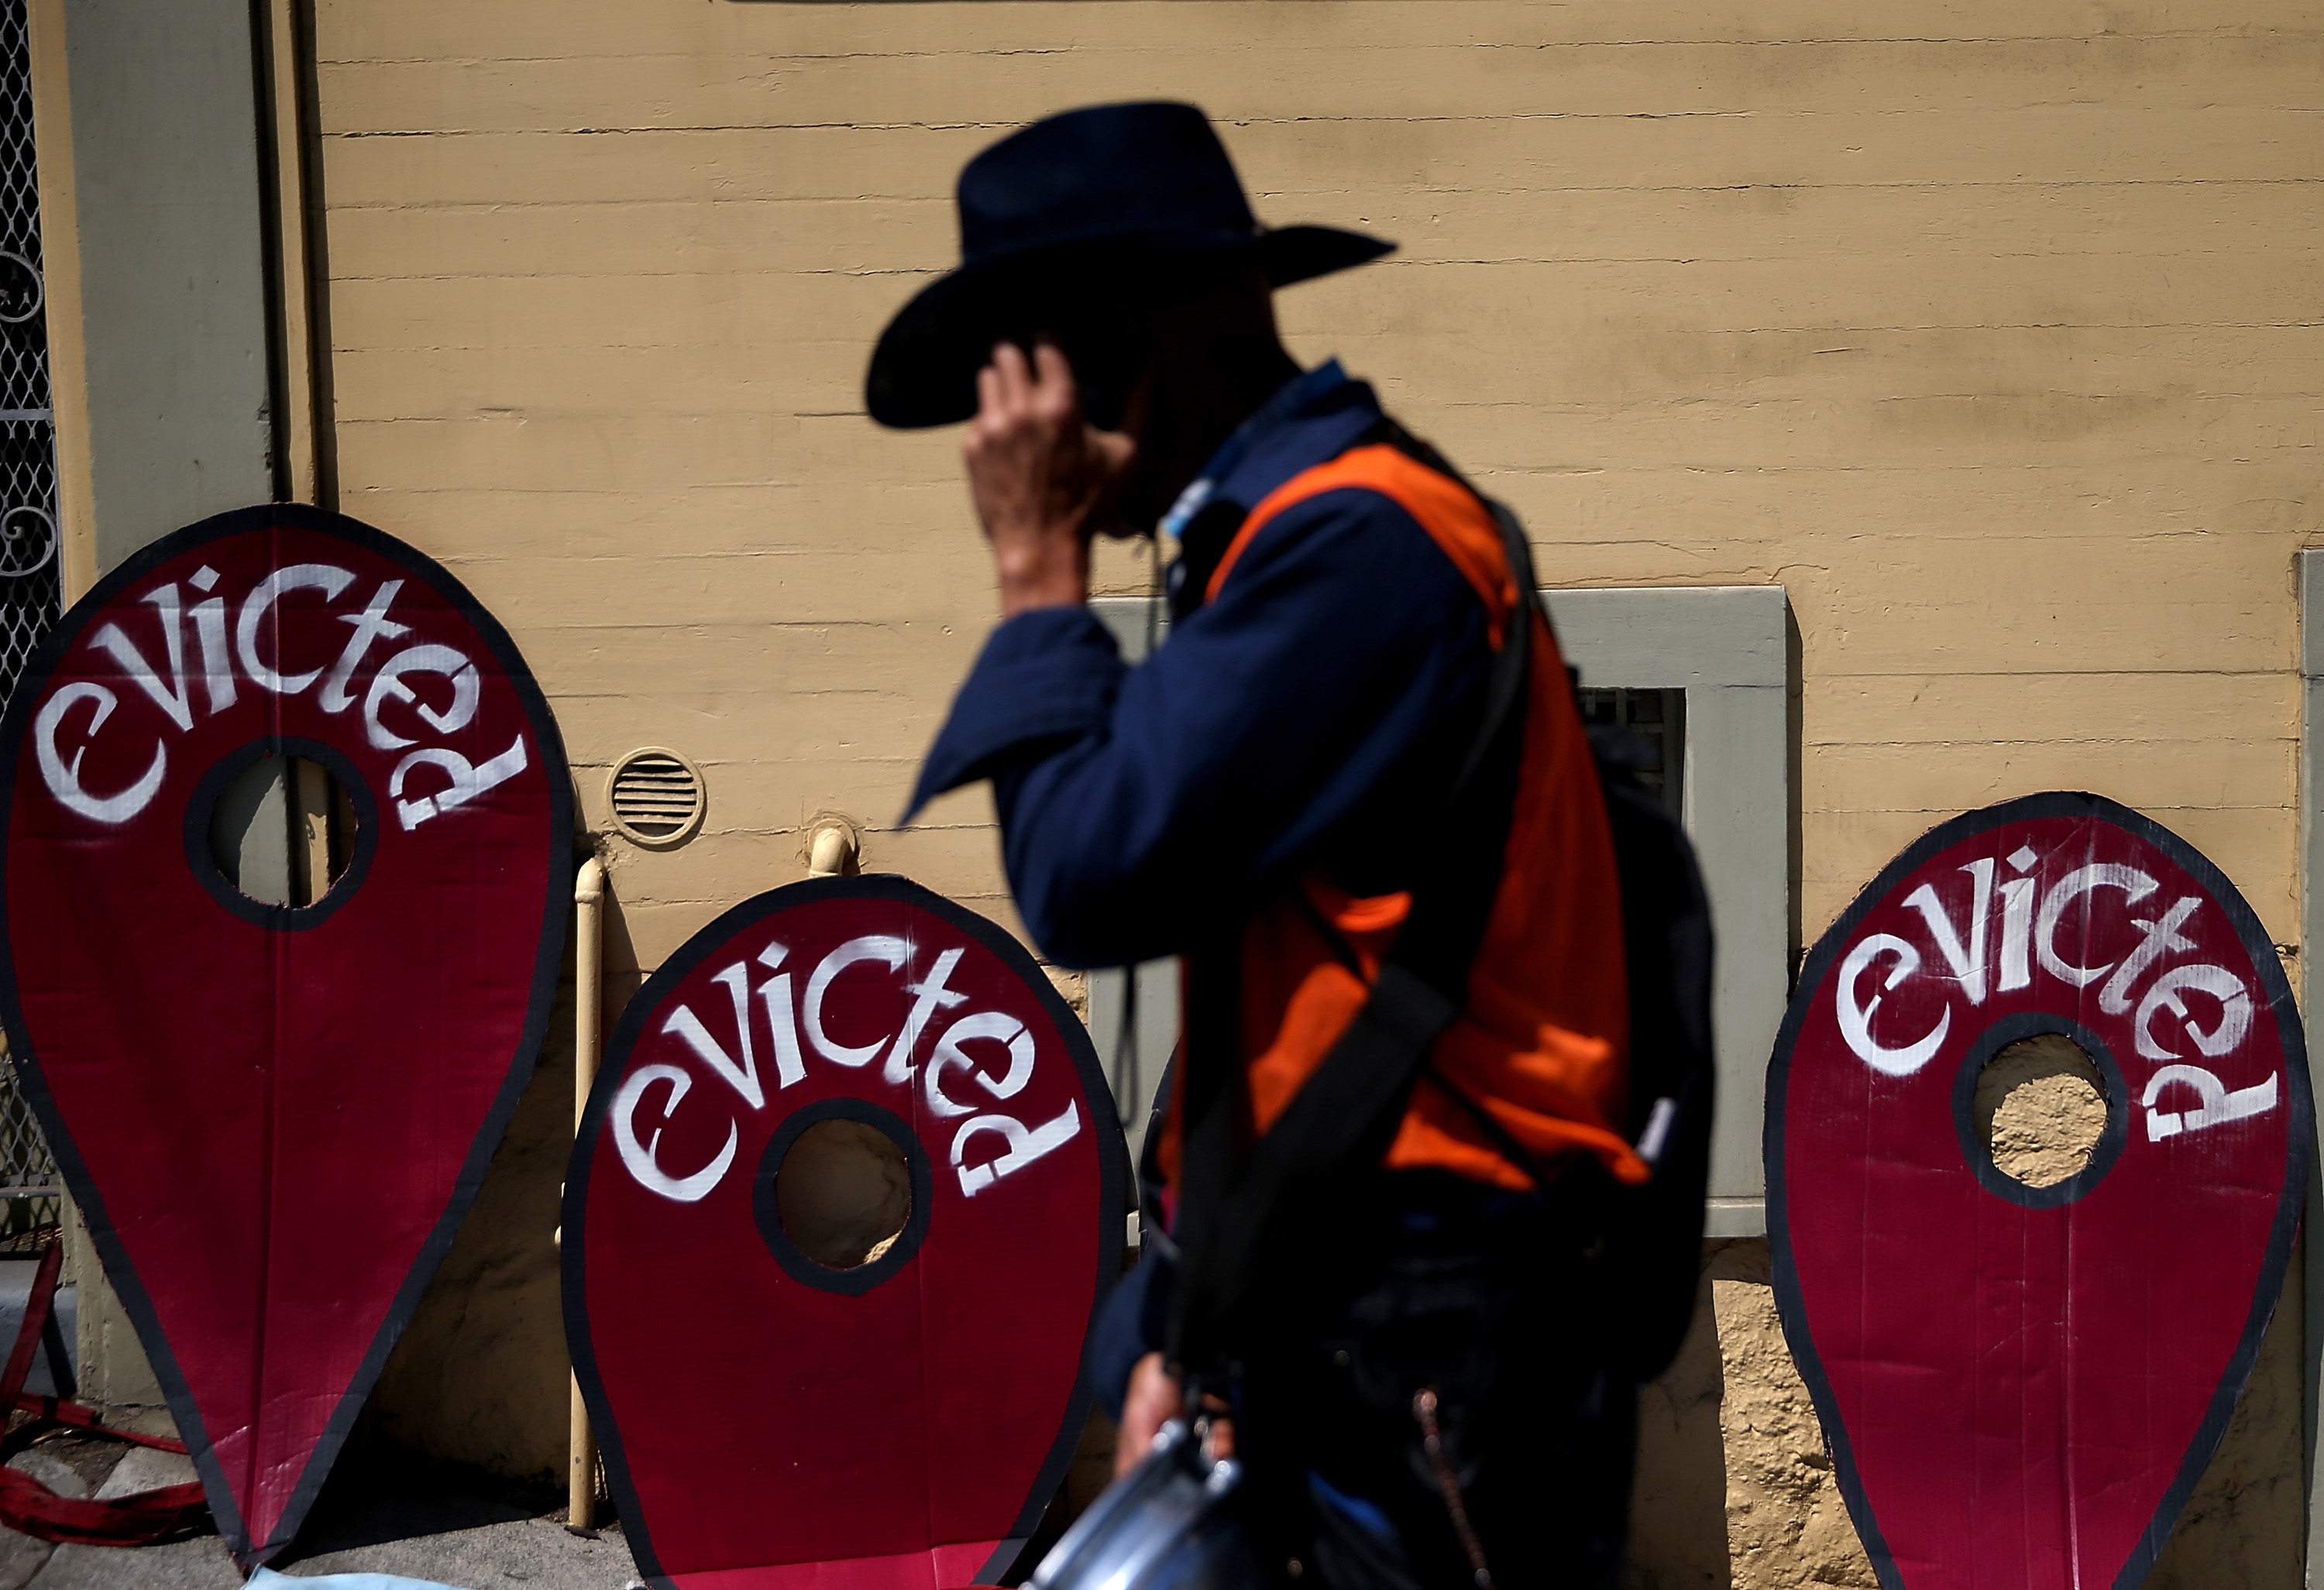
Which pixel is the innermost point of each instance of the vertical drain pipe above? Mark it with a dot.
(588, 1016)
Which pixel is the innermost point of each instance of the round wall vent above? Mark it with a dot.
(656, 796)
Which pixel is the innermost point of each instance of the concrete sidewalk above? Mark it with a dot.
(393, 1523)
(394, 1518)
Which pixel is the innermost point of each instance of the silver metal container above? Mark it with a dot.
(1165, 1525)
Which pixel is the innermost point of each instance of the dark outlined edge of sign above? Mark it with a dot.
(548, 968)
(201, 807)
(2112, 1138)
(767, 1217)
(1791, 1305)
(1114, 1156)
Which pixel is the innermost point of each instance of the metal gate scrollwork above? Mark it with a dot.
(30, 586)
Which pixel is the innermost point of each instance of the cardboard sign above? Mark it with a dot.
(2023, 1385)
(776, 1414)
(273, 1112)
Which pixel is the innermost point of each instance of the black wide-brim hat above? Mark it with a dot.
(1131, 194)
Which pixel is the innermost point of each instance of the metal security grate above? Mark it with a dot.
(1658, 717)
(27, 1169)
(31, 590)
(656, 796)
(29, 584)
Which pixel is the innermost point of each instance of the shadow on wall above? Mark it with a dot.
(1787, 1525)
(2247, 1522)
(1678, 1502)
(481, 1375)
(620, 969)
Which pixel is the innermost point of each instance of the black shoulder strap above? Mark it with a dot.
(1345, 1115)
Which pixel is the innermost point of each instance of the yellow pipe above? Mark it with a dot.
(831, 851)
(588, 1015)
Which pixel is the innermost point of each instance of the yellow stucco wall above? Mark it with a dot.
(1990, 335)
(1990, 330)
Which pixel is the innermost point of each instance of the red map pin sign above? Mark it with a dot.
(2022, 1385)
(896, 1424)
(273, 1116)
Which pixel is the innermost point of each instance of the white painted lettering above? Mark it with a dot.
(371, 624)
(2161, 938)
(468, 783)
(776, 996)
(218, 663)
(2219, 1105)
(63, 778)
(319, 577)
(1856, 1016)
(2133, 884)
(887, 948)
(984, 1024)
(176, 703)
(1024, 1146)
(2220, 984)
(684, 1024)
(639, 1159)
(2017, 931)
(1968, 963)
(928, 996)
(467, 689)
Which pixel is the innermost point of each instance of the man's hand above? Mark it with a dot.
(1154, 1399)
(1040, 474)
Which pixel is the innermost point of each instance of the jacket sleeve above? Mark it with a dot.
(1137, 802)
(1133, 1321)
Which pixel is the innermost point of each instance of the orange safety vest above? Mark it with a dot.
(1544, 1041)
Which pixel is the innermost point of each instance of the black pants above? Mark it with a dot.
(1422, 1281)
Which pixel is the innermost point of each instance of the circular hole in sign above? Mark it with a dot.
(282, 831)
(843, 1194)
(2040, 1109)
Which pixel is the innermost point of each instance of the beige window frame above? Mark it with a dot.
(1727, 648)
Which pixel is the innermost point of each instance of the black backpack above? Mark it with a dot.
(1655, 1232)
(1644, 1244)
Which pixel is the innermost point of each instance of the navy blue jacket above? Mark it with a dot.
(1308, 718)
(1304, 719)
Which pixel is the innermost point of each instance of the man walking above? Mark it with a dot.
(1353, 793)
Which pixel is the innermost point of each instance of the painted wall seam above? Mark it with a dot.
(2310, 862)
